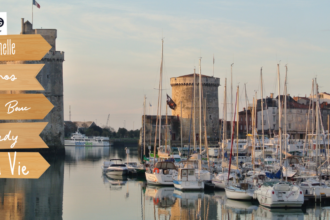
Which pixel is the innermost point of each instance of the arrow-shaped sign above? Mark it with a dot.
(21, 135)
(23, 47)
(22, 165)
(24, 106)
(20, 77)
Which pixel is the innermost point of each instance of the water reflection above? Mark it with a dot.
(34, 199)
(75, 188)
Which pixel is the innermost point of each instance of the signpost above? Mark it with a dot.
(20, 77)
(22, 106)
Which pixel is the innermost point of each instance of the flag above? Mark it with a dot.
(171, 103)
(150, 104)
(36, 3)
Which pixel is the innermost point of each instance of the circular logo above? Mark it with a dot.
(1, 22)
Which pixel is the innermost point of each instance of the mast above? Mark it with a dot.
(253, 136)
(279, 113)
(231, 97)
(161, 94)
(285, 125)
(317, 125)
(205, 137)
(194, 106)
(262, 116)
(224, 123)
(159, 105)
(166, 129)
(237, 132)
(144, 127)
(181, 126)
(231, 147)
(246, 115)
(200, 107)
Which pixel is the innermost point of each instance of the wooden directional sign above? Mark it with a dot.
(24, 106)
(21, 135)
(20, 77)
(23, 47)
(22, 165)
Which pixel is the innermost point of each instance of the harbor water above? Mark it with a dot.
(74, 188)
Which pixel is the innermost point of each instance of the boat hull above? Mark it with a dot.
(188, 185)
(113, 172)
(159, 179)
(238, 194)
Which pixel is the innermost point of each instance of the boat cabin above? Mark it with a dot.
(186, 174)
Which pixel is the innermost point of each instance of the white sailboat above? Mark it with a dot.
(187, 180)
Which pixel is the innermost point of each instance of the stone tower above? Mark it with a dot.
(182, 91)
(51, 78)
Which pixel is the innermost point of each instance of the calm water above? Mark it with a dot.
(74, 188)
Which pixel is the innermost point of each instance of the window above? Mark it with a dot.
(289, 125)
(274, 126)
(273, 110)
(241, 127)
(250, 119)
(244, 126)
(274, 118)
(264, 122)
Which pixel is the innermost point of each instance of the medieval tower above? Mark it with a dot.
(183, 91)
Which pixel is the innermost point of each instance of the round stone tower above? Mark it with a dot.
(182, 91)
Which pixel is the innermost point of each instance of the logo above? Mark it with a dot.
(1, 22)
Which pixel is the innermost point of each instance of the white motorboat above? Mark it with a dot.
(243, 191)
(162, 174)
(314, 187)
(280, 195)
(186, 180)
(114, 167)
(78, 139)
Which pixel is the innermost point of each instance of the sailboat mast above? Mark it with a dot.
(231, 97)
(161, 93)
(200, 107)
(166, 129)
(237, 132)
(262, 116)
(317, 125)
(181, 126)
(279, 113)
(224, 123)
(194, 106)
(246, 114)
(285, 125)
(144, 127)
(205, 136)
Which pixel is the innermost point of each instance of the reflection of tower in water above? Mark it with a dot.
(33, 199)
(194, 205)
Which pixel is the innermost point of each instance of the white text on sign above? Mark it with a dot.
(7, 48)
(7, 138)
(12, 166)
(12, 107)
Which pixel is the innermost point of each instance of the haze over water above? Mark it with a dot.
(74, 188)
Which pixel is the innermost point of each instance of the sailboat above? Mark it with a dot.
(242, 191)
(277, 193)
(162, 172)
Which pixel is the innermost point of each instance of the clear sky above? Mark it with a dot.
(112, 48)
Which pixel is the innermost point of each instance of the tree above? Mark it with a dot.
(122, 132)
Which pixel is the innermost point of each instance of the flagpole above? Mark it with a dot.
(32, 14)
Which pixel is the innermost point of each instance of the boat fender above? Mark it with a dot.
(157, 171)
(156, 201)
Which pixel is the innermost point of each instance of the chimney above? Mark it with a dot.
(22, 25)
(271, 95)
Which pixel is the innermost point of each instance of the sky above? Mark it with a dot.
(113, 49)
